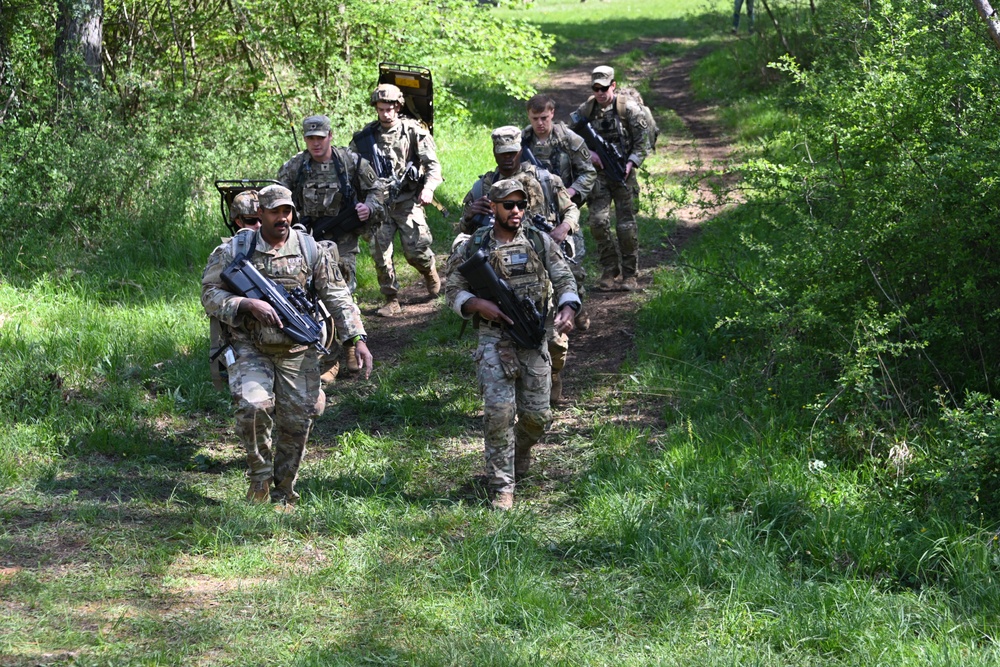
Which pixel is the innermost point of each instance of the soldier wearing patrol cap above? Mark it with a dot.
(514, 380)
(243, 210)
(318, 178)
(621, 122)
(548, 199)
(408, 157)
(274, 380)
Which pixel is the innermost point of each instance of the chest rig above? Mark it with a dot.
(323, 186)
(518, 262)
(608, 124)
(552, 155)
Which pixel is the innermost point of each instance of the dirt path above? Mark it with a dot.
(592, 373)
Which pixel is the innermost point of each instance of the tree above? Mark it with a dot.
(78, 45)
(990, 16)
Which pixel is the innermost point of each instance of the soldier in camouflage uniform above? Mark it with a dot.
(317, 176)
(408, 156)
(243, 210)
(557, 210)
(621, 122)
(274, 380)
(512, 380)
(564, 153)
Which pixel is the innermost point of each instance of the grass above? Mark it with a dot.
(688, 518)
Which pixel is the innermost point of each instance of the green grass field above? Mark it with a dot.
(686, 520)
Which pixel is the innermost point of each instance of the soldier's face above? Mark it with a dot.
(507, 162)
(604, 94)
(319, 147)
(275, 223)
(388, 113)
(510, 220)
(541, 122)
(247, 222)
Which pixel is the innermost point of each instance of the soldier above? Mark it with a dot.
(513, 380)
(273, 379)
(564, 153)
(318, 178)
(404, 150)
(243, 210)
(548, 200)
(621, 122)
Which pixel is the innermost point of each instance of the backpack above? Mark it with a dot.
(624, 94)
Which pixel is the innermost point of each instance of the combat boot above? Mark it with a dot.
(630, 284)
(555, 392)
(330, 376)
(352, 358)
(391, 308)
(522, 462)
(433, 282)
(607, 281)
(582, 320)
(259, 491)
(503, 501)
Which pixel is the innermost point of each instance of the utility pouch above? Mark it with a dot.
(508, 358)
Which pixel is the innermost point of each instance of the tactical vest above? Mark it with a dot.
(319, 188)
(520, 262)
(553, 153)
(608, 124)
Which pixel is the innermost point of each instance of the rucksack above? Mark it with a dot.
(629, 93)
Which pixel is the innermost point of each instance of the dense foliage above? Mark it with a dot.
(867, 255)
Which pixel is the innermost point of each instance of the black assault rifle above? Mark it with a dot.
(610, 154)
(528, 330)
(295, 308)
(568, 245)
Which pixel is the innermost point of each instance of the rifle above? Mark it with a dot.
(295, 308)
(610, 154)
(329, 227)
(568, 244)
(528, 330)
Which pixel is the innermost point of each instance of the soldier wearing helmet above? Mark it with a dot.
(404, 154)
(243, 211)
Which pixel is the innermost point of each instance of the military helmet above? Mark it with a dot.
(386, 92)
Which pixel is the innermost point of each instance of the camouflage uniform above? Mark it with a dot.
(316, 191)
(274, 380)
(513, 380)
(629, 131)
(566, 155)
(406, 142)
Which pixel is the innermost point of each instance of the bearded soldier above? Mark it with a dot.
(513, 379)
(404, 154)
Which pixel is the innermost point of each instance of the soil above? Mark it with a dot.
(596, 356)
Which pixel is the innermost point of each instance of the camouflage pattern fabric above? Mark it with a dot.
(405, 142)
(316, 192)
(527, 174)
(565, 154)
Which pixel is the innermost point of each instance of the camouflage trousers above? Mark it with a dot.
(348, 247)
(415, 237)
(515, 386)
(276, 389)
(619, 256)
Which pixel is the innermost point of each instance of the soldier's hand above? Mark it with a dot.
(261, 311)
(364, 357)
(571, 192)
(628, 168)
(596, 160)
(480, 206)
(363, 211)
(564, 320)
(425, 197)
(560, 232)
(486, 309)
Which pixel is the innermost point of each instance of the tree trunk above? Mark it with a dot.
(79, 38)
(990, 16)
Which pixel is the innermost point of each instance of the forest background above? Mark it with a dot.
(797, 465)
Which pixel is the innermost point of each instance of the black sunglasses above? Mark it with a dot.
(600, 89)
(249, 221)
(509, 205)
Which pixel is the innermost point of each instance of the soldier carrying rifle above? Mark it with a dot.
(274, 377)
(514, 369)
(622, 132)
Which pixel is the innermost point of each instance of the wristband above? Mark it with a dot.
(359, 338)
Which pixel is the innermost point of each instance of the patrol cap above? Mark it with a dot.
(506, 139)
(386, 92)
(316, 126)
(504, 187)
(602, 76)
(245, 203)
(274, 196)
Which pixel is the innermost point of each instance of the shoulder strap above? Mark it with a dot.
(620, 102)
(244, 243)
(309, 249)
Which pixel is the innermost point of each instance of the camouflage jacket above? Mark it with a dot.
(538, 203)
(288, 267)
(405, 142)
(564, 154)
(629, 129)
(531, 263)
(316, 187)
